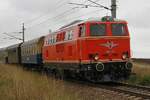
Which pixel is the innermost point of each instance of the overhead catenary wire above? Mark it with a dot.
(12, 36)
(99, 5)
(61, 5)
(70, 20)
(59, 15)
(74, 18)
(85, 5)
(58, 5)
(56, 15)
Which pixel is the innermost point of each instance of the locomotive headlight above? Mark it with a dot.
(124, 56)
(96, 57)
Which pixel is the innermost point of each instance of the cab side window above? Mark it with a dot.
(82, 31)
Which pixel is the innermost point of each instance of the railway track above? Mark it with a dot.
(131, 91)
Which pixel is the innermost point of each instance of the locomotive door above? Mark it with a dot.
(81, 35)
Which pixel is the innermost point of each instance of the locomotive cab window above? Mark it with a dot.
(98, 29)
(118, 29)
(82, 31)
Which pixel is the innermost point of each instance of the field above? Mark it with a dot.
(19, 84)
(142, 72)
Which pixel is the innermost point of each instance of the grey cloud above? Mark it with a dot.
(140, 19)
(34, 6)
(14, 12)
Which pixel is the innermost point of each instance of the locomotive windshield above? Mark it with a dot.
(118, 29)
(98, 29)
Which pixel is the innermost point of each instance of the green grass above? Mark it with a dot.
(145, 80)
(142, 76)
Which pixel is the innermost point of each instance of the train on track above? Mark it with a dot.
(97, 50)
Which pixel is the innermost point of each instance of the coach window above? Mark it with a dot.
(70, 35)
(31, 50)
(33, 53)
(52, 39)
(55, 39)
(27, 51)
(22, 51)
(82, 31)
(36, 50)
(66, 35)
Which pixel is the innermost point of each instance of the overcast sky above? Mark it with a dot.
(40, 16)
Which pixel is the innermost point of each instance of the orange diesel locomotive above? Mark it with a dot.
(97, 50)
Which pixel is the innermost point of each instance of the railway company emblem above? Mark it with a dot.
(110, 45)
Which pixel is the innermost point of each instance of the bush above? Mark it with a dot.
(145, 80)
(139, 80)
(133, 79)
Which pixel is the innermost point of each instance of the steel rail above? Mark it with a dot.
(121, 88)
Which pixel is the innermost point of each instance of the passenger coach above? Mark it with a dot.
(31, 52)
(3, 56)
(14, 54)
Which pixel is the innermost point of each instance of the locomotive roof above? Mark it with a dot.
(72, 23)
(76, 22)
(34, 41)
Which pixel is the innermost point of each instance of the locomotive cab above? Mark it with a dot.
(105, 48)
